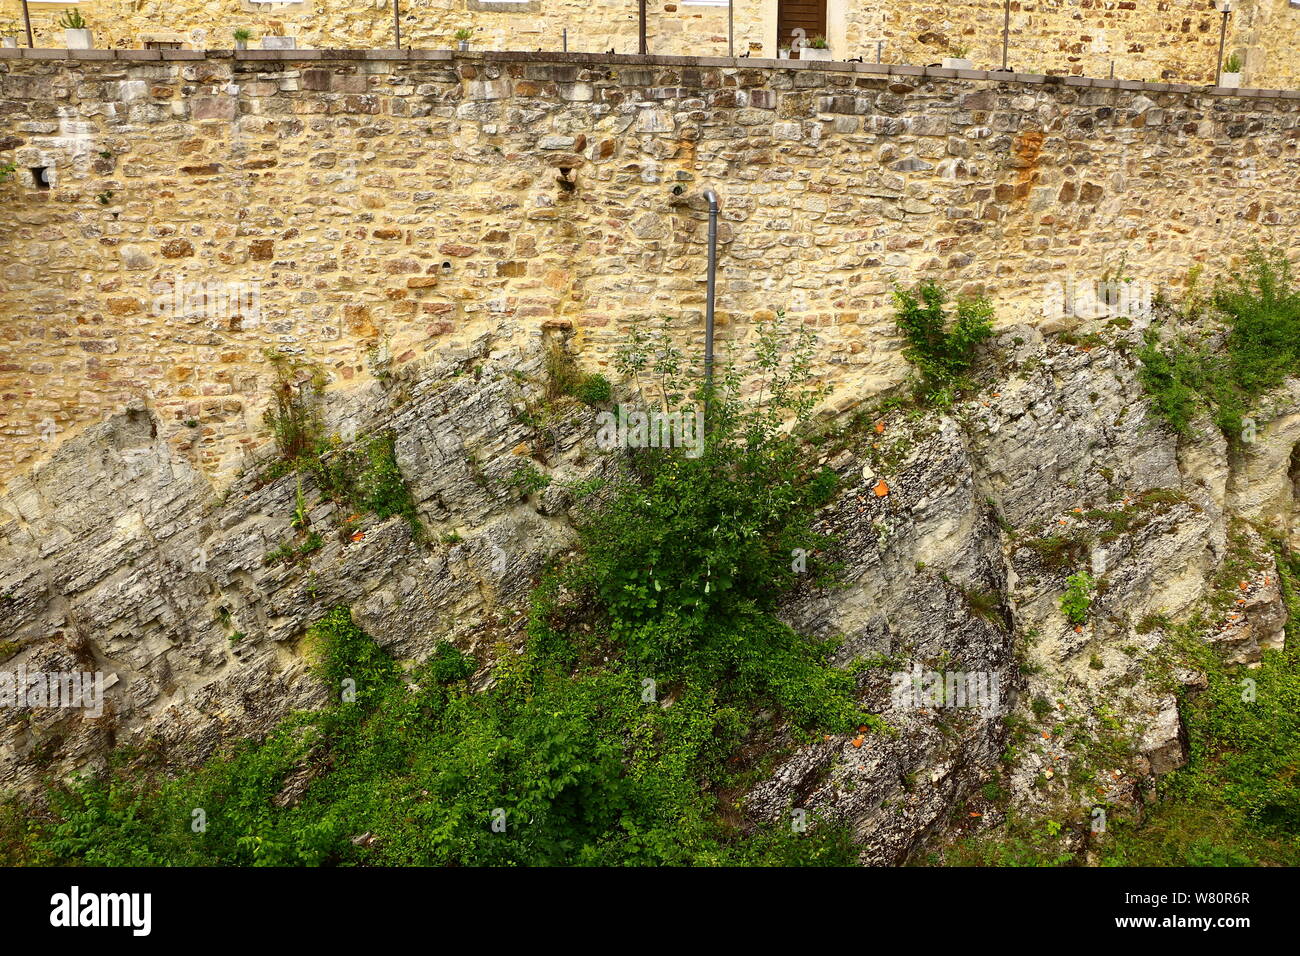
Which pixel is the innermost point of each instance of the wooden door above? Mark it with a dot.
(806, 15)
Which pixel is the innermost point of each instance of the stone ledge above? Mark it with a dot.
(630, 59)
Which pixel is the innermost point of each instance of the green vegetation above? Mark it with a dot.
(1259, 348)
(942, 354)
(1237, 802)
(652, 677)
(1077, 598)
(296, 554)
(359, 477)
(72, 20)
(526, 480)
(563, 377)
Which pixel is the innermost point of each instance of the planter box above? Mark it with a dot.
(957, 63)
(1230, 81)
(241, 44)
(279, 43)
(9, 43)
(812, 53)
(79, 39)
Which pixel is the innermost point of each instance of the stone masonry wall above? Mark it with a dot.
(1156, 40)
(387, 207)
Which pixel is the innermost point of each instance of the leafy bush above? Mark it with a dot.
(1077, 598)
(942, 354)
(692, 553)
(1261, 310)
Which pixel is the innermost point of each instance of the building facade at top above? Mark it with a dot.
(1153, 40)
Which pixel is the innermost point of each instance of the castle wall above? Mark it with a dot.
(382, 207)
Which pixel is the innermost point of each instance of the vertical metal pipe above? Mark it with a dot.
(27, 19)
(566, 39)
(712, 197)
(1006, 30)
(397, 25)
(640, 15)
(731, 29)
(1223, 35)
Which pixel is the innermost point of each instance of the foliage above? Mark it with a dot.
(563, 377)
(691, 554)
(1077, 598)
(294, 416)
(526, 479)
(72, 20)
(359, 477)
(941, 349)
(1260, 306)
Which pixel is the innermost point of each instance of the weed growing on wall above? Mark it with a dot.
(360, 477)
(941, 346)
(563, 377)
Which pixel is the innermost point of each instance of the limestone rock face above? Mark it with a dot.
(119, 557)
(956, 533)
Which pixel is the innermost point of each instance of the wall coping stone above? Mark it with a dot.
(623, 59)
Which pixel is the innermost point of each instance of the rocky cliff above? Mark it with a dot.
(957, 533)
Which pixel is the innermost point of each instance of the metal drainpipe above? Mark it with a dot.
(1226, 10)
(712, 197)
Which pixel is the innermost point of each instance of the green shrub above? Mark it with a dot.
(1260, 307)
(564, 377)
(941, 347)
(1077, 598)
(526, 479)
